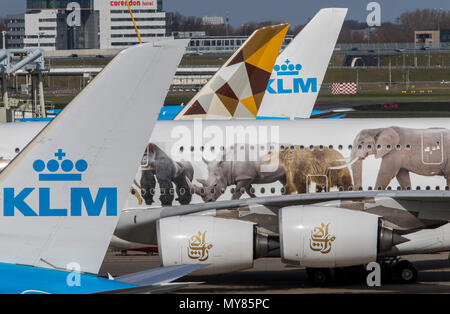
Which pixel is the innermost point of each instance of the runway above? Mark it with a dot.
(270, 276)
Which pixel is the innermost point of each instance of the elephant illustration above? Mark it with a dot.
(156, 163)
(326, 168)
(402, 150)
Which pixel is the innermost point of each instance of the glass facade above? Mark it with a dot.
(57, 4)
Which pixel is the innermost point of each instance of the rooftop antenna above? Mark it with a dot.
(134, 22)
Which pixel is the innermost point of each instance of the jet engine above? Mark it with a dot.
(226, 245)
(316, 236)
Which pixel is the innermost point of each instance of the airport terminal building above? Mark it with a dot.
(85, 24)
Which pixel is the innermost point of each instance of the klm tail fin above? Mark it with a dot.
(61, 195)
(237, 89)
(300, 68)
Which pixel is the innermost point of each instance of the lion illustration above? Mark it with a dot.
(321, 165)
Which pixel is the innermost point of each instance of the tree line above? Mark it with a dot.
(402, 30)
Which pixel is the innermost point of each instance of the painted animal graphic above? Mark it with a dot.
(325, 167)
(402, 150)
(157, 165)
(241, 172)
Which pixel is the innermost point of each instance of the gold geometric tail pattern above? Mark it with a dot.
(237, 89)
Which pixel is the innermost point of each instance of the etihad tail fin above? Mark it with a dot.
(62, 194)
(237, 89)
(300, 69)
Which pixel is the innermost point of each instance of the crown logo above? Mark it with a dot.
(287, 68)
(53, 165)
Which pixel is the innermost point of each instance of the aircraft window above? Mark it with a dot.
(181, 148)
(378, 146)
(360, 147)
(222, 190)
(17, 150)
(340, 147)
(192, 148)
(282, 147)
(231, 147)
(408, 188)
(399, 188)
(252, 147)
(302, 147)
(222, 148)
(379, 188)
(398, 146)
(272, 148)
(202, 191)
(320, 147)
(283, 190)
(360, 188)
(182, 191)
(350, 147)
(408, 147)
(242, 190)
(388, 146)
(152, 191)
(330, 147)
(427, 188)
(212, 148)
(242, 147)
(232, 190)
(192, 191)
(133, 191)
(171, 192)
(252, 190)
(292, 147)
(262, 147)
(418, 188)
(369, 147)
(311, 147)
(263, 190)
(369, 188)
(389, 188)
(272, 190)
(341, 189)
(350, 188)
(212, 191)
(447, 187)
(437, 188)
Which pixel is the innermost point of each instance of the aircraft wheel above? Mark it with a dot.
(406, 272)
(319, 276)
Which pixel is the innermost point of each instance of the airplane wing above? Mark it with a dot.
(136, 224)
(156, 280)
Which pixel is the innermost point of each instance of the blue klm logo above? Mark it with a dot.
(288, 83)
(48, 172)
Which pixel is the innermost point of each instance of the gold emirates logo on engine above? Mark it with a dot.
(321, 240)
(198, 248)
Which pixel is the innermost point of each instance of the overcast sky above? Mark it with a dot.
(291, 11)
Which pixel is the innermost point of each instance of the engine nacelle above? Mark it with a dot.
(316, 236)
(226, 245)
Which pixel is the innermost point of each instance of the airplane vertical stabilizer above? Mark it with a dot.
(237, 89)
(300, 68)
(62, 194)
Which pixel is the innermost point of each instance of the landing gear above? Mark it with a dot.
(392, 270)
(405, 272)
(319, 276)
(398, 270)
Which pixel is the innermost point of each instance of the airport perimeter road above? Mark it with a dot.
(270, 276)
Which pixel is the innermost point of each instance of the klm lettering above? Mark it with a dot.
(78, 196)
(292, 86)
